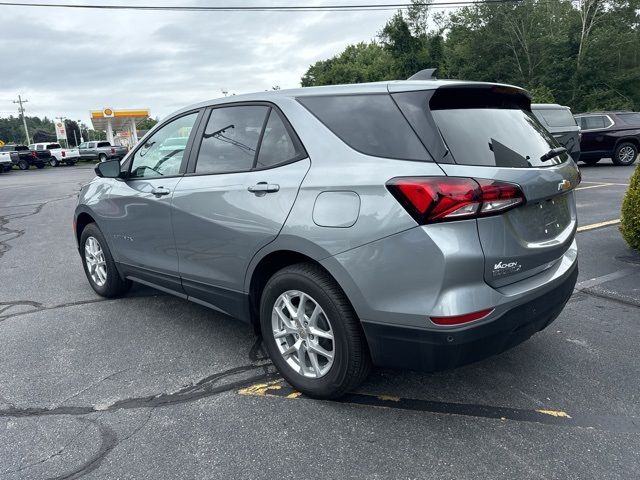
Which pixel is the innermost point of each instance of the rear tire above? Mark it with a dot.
(102, 157)
(23, 165)
(99, 266)
(53, 162)
(591, 161)
(625, 154)
(350, 362)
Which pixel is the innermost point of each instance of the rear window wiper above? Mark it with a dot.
(554, 152)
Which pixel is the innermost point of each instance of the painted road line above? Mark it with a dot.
(606, 183)
(546, 416)
(607, 223)
(592, 282)
(592, 186)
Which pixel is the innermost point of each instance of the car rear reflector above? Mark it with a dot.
(441, 199)
(460, 319)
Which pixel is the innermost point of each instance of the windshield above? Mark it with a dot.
(500, 137)
(556, 117)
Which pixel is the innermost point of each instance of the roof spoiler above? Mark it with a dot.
(426, 74)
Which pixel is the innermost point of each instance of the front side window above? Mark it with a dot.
(230, 141)
(161, 154)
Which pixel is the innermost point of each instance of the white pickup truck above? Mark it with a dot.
(59, 155)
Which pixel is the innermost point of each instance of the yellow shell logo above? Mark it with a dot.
(108, 112)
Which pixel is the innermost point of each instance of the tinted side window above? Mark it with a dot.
(595, 121)
(277, 145)
(53, 146)
(161, 154)
(371, 124)
(230, 141)
(104, 144)
(630, 118)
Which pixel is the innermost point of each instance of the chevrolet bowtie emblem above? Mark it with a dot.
(564, 185)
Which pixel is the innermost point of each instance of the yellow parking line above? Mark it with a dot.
(584, 228)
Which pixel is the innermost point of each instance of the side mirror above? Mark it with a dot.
(108, 169)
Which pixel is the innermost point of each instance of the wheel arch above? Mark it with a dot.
(632, 140)
(263, 266)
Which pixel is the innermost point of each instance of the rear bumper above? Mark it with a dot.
(427, 350)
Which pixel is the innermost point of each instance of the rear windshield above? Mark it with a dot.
(556, 117)
(21, 147)
(104, 144)
(370, 124)
(491, 129)
(53, 146)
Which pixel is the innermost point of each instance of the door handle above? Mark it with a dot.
(264, 187)
(160, 191)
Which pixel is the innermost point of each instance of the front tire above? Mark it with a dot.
(312, 333)
(99, 266)
(625, 154)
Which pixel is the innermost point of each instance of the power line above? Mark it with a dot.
(280, 8)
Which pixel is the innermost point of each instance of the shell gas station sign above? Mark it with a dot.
(61, 131)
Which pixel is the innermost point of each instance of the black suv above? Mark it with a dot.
(609, 134)
(25, 157)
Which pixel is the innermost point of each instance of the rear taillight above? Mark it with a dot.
(460, 319)
(34, 154)
(441, 199)
(113, 150)
(64, 154)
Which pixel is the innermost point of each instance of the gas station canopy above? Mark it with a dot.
(109, 120)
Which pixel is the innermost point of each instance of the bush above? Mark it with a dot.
(630, 218)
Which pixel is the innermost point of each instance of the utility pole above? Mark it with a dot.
(24, 120)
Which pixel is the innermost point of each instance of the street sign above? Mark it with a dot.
(61, 132)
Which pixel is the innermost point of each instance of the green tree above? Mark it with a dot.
(147, 123)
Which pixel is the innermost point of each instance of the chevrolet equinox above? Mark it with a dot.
(409, 224)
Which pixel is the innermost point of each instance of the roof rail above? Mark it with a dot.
(426, 74)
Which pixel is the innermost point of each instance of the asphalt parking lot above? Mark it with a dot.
(151, 386)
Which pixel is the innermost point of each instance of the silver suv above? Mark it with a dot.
(411, 224)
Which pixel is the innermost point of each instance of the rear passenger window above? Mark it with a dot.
(596, 121)
(371, 124)
(277, 145)
(231, 139)
(557, 117)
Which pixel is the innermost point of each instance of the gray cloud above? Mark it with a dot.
(74, 61)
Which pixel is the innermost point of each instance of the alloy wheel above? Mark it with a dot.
(626, 154)
(303, 334)
(96, 264)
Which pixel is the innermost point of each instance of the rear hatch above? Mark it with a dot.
(485, 131)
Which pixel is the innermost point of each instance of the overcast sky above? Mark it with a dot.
(68, 61)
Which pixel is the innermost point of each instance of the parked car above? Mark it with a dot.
(559, 121)
(68, 156)
(614, 135)
(23, 157)
(102, 151)
(5, 161)
(421, 225)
